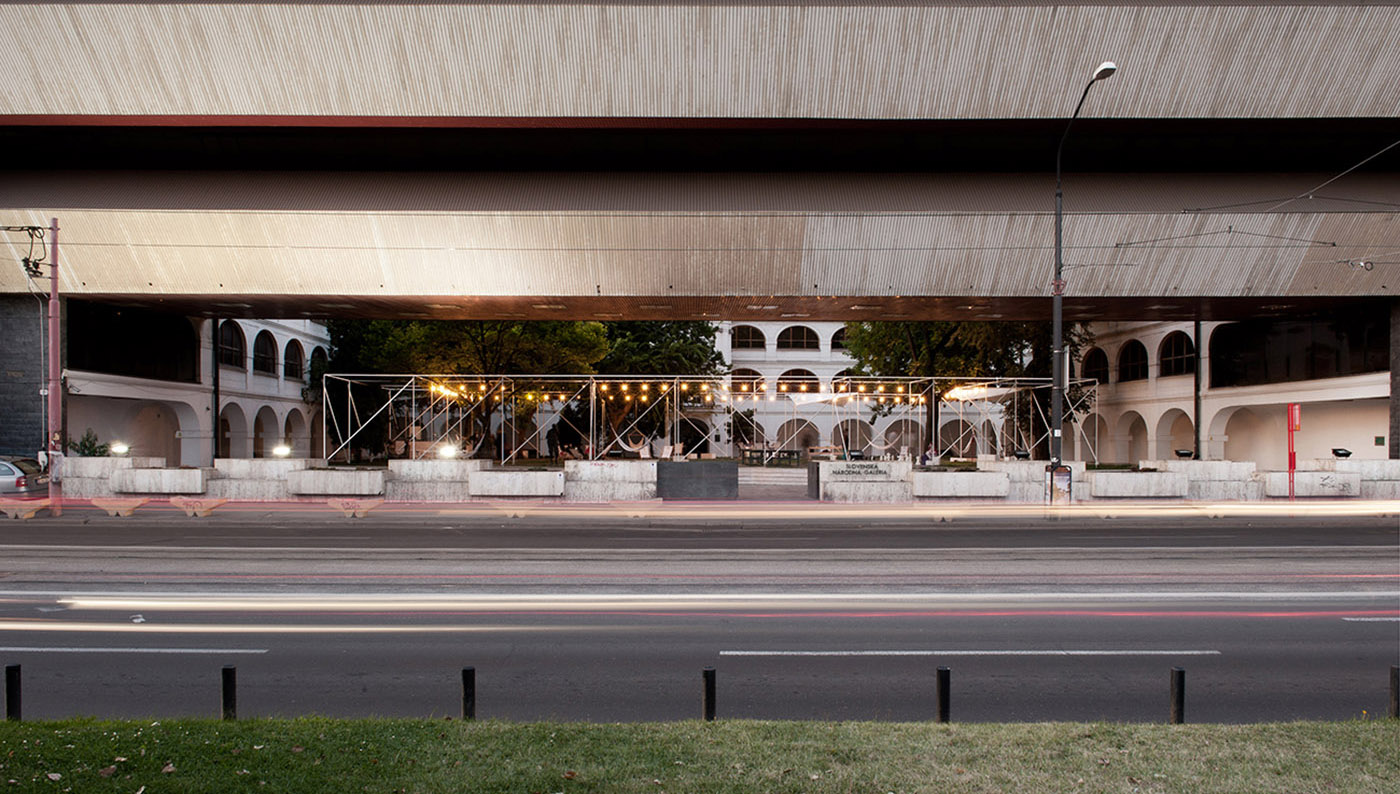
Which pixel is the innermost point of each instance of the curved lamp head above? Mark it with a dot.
(1105, 70)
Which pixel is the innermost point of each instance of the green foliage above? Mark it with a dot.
(465, 347)
(87, 446)
(661, 348)
(947, 349)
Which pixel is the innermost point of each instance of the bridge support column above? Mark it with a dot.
(1395, 381)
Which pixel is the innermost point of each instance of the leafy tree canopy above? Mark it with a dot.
(950, 349)
(492, 347)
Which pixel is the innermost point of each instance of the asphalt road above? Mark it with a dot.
(613, 620)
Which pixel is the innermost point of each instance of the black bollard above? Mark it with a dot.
(708, 674)
(1395, 691)
(1178, 715)
(468, 693)
(230, 692)
(12, 692)
(945, 691)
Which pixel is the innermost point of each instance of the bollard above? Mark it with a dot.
(230, 692)
(1178, 715)
(945, 689)
(12, 692)
(1395, 691)
(468, 693)
(708, 674)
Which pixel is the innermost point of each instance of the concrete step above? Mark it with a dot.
(749, 475)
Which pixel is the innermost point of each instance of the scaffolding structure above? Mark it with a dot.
(508, 418)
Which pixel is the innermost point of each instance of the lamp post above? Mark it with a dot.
(1058, 379)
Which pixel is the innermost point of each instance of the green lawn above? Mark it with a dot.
(325, 755)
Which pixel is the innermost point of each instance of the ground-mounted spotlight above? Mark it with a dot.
(281, 451)
(118, 448)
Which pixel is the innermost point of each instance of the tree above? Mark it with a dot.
(466, 347)
(949, 351)
(661, 348)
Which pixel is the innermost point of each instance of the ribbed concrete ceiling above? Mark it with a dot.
(784, 60)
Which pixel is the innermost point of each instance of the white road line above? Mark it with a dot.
(961, 652)
(1372, 620)
(219, 651)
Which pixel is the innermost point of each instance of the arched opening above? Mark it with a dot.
(153, 432)
(1131, 438)
(693, 435)
(318, 444)
(1175, 433)
(318, 362)
(1176, 355)
(989, 439)
(745, 381)
(293, 361)
(233, 432)
(1132, 362)
(838, 339)
(1096, 365)
(799, 337)
(798, 434)
(853, 438)
(901, 438)
(798, 380)
(232, 349)
(265, 354)
(957, 439)
(266, 432)
(294, 434)
(746, 337)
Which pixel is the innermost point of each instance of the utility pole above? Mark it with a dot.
(53, 389)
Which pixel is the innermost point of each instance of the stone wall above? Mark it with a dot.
(22, 374)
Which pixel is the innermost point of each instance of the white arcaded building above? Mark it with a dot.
(161, 403)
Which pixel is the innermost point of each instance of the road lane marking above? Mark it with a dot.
(961, 652)
(219, 651)
(1373, 620)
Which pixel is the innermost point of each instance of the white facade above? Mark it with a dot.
(262, 400)
(1152, 417)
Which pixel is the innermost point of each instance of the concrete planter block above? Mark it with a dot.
(262, 468)
(961, 484)
(426, 491)
(246, 490)
(867, 492)
(160, 481)
(863, 470)
(1225, 491)
(1137, 485)
(1202, 470)
(72, 466)
(336, 482)
(1369, 469)
(1032, 471)
(609, 491)
(610, 471)
(87, 487)
(1327, 484)
(516, 483)
(435, 470)
(1380, 489)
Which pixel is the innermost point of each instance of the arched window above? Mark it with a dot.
(798, 380)
(843, 381)
(265, 354)
(293, 362)
(746, 337)
(232, 352)
(1132, 362)
(838, 339)
(799, 337)
(318, 362)
(1096, 365)
(1177, 355)
(746, 380)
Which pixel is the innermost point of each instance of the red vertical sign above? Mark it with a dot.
(1295, 423)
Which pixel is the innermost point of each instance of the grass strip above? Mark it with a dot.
(331, 755)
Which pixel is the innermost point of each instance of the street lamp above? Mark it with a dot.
(1057, 389)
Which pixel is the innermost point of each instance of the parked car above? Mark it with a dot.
(23, 477)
